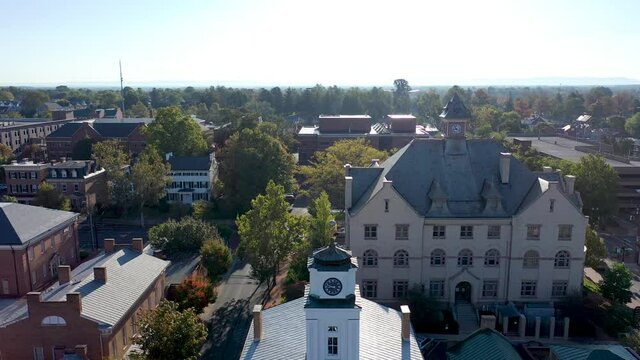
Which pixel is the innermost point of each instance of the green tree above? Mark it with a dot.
(82, 149)
(186, 235)
(616, 122)
(596, 180)
(632, 125)
(632, 340)
(149, 176)
(401, 100)
(6, 154)
(49, 197)
(326, 172)
(8, 198)
(616, 283)
(108, 99)
(321, 227)
(6, 95)
(596, 250)
(429, 107)
(138, 110)
(167, 334)
(268, 232)
(216, 258)
(252, 159)
(173, 131)
(31, 101)
(111, 156)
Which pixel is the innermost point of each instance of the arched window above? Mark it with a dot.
(54, 173)
(531, 259)
(492, 258)
(438, 257)
(64, 173)
(562, 259)
(53, 321)
(74, 174)
(401, 258)
(465, 258)
(370, 258)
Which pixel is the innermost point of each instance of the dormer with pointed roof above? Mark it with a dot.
(438, 198)
(492, 198)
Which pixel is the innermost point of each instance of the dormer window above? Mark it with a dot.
(74, 174)
(54, 174)
(64, 173)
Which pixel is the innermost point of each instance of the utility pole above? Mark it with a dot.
(121, 88)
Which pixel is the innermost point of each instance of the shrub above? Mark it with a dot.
(216, 258)
(186, 235)
(83, 254)
(194, 292)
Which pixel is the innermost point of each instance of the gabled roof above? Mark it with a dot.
(110, 112)
(21, 223)
(592, 352)
(190, 162)
(484, 344)
(66, 130)
(115, 130)
(455, 109)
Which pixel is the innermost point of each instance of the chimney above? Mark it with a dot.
(569, 183)
(348, 189)
(406, 323)
(257, 322)
(64, 274)
(81, 351)
(137, 244)
(63, 159)
(74, 299)
(547, 169)
(375, 163)
(505, 163)
(100, 273)
(168, 156)
(109, 245)
(33, 298)
(347, 169)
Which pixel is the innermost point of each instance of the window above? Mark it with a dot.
(466, 232)
(370, 258)
(76, 187)
(333, 329)
(465, 258)
(53, 321)
(38, 353)
(64, 187)
(332, 345)
(493, 232)
(559, 288)
(492, 258)
(438, 231)
(490, 288)
(401, 258)
(64, 173)
(562, 260)
(436, 288)
(531, 259)
(370, 232)
(564, 232)
(402, 231)
(533, 232)
(34, 175)
(400, 288)
(552, 205)
(370, 288)
(54, 174)
(386, 205)
(438, 257)
(528, 288)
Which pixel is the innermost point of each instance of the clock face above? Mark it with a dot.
(456, 128)
(332, 286)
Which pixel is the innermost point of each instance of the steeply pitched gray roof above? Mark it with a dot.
(66, 130)
(460, 167)
(284, 330)
(21, 223)
(115, 130)
(190, 162)
(455, 109)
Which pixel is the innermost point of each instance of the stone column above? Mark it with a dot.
(522, 326)
(505, 325)
(537, 332)
(552, 327)
(566, 328)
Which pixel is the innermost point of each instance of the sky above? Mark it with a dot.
(330, 42)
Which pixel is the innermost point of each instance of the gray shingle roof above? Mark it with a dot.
(460, 168)
(66, 130)
(21, 223)
(284, 330)
(190, 163)
(455, 109)
(115, 130)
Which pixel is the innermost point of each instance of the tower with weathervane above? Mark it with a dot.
(331, 310)
(454, 118)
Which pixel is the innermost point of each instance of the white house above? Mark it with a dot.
(331, 321)
(465, 221)
(192, 177)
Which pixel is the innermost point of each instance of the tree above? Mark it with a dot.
(632, 340)
(326, 172)
(111, 156)
(195, 292)
(401, 100)
(252, 159)
(49, 197)
(6, 154)
(268, 232)
(186, 235)
(138, 110)
(8, 198)
(429, 107)
(173, 131)
(321, 227)
(596, 250)
(616, 283)
(596, 180)
(616, 122)
(149, 177)
(31, 101)
(216, 258)
(166, 333)
(632, 125)
(6, 95)
(82, 149)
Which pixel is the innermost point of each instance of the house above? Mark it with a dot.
(82, 181)
(535, 120)
(91, 310)
(33, 243)
(465, 221)
(394, 132)
(192, 178)
(24, 178)
(332, 320)
(113, 113)
(62, 142)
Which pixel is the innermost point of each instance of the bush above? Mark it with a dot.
(216, 258)
(298, 270)
(83, 254)
(194, 292)
(426, 315)
(187, 235)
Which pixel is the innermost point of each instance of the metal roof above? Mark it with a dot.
(484, 344)
(20, 223)
(190, 162)
(592, 352)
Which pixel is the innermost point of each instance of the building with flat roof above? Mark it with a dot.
(16, 133)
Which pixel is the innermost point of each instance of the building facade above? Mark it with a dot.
(34, 242)
(464, 221)
(24, 178)
(82, 181)
(192, 178)
(16, 133)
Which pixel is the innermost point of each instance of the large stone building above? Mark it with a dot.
(465, 221)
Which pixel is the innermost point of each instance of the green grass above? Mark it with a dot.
(591, 286)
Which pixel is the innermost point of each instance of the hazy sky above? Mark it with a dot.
(299, 42)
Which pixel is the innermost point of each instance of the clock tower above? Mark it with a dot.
(331, 312)
(455, 117)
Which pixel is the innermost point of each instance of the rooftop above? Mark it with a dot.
(455, 109)
(483, 344)
(20, 223)
(401, 116)
(592, 352)
(344, 117)
(190, 162)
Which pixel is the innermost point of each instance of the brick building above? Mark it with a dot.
(24, 178)
(62, 142)
(82, 181)
(92, 310)
(33, 243)
(15, 133)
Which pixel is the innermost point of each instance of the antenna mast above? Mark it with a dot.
(121, 88)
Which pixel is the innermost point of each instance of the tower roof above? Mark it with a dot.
(455, 109)
(332, 257)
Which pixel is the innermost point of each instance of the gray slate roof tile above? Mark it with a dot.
(20, 223)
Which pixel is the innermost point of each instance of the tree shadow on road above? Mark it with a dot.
(227, 331)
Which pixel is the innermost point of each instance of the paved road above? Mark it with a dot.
(229, 317)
